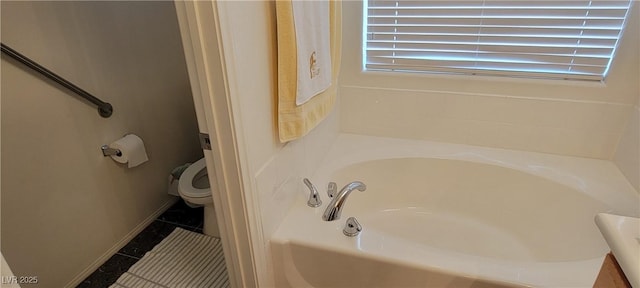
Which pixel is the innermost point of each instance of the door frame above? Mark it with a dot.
(237, 209)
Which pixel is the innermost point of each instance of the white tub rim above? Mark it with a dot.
(598, 179)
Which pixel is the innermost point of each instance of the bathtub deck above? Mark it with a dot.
(402, 240)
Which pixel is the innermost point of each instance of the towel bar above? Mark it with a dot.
(104, 109)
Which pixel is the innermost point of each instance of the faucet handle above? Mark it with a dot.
(332, 189)
(314, 197)
(352, 227)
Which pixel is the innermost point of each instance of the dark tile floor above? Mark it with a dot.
(179, 215)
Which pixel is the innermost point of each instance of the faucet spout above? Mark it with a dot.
(335, 207)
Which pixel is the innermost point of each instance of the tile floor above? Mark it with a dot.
(179, 215)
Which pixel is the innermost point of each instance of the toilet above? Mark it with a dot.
(195, 189)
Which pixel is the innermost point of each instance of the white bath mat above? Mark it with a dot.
(184, 259)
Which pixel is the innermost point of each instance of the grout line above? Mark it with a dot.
(130, 256)
(177, 224)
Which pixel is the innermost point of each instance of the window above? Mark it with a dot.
(537, 39)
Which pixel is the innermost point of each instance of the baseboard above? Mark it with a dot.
(113, 250)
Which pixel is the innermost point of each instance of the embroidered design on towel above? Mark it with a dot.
(314, 68)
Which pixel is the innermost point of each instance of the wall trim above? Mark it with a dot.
(480, 94)
(203, 28)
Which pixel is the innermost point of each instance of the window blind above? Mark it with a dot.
(544, 39)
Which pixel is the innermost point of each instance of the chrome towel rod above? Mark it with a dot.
(104, 109)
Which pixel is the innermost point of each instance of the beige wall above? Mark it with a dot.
(560, 117)
(63, 204)
(627, 155)
(276, 169)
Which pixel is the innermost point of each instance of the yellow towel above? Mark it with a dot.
(296, 121)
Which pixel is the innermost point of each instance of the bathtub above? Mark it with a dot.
(447, 215)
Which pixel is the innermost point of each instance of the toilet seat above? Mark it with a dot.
(185, 185)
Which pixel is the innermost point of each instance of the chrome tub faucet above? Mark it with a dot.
(335, 207)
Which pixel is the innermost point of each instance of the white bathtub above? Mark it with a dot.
(447, 215)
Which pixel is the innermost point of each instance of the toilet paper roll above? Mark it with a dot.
(132, 148)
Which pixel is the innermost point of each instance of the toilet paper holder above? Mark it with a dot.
(108, 151)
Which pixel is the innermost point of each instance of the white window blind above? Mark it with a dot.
(543, 39)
